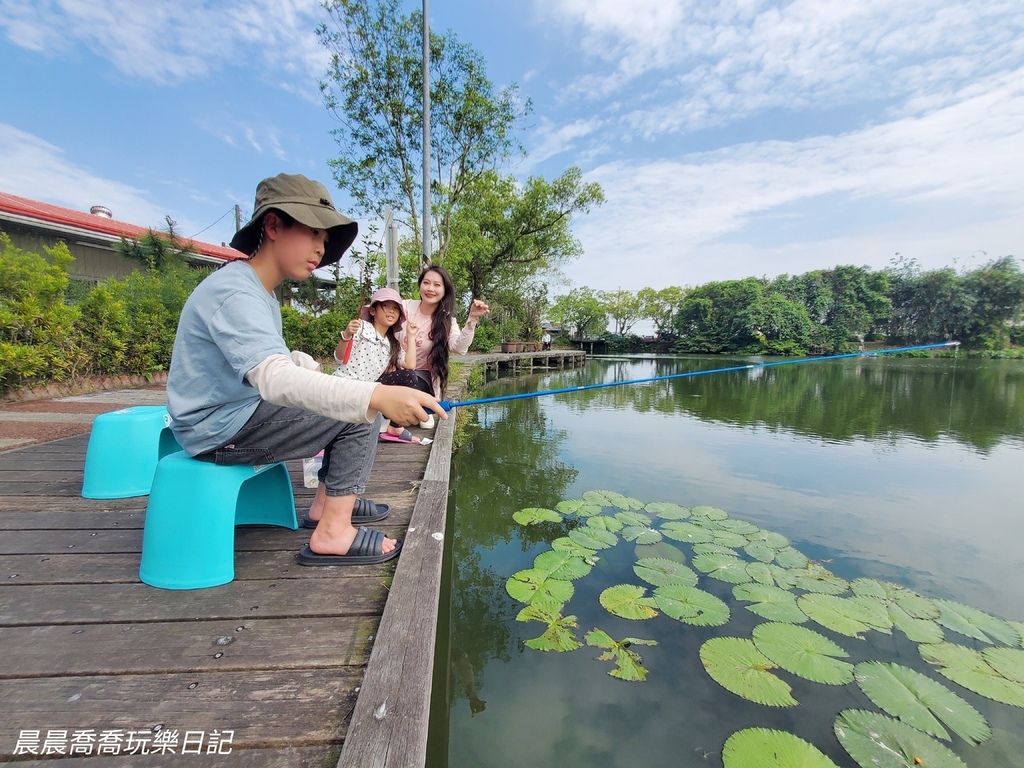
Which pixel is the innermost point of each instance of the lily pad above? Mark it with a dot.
(667, 510)
(627, 662)
(641, 535)
(1008, 662)
(877, 741)
(760, 551)
(709, 513)
(722, 567)
(612, 499)
(969, 668)
(739, 526)
(916, 630)
(770, 602)
(736, 665)
(919, 701)
(659, 572)
(711, 548)
(691, 605)
(633, 519)
(784, 577)
(803, 652)
(760, 573)
(565, 544)
(817, 578)
(593, 538)
(767, 748)
(580, 507)
(533, 586)
(728, 539)
(627, 601)
(836, 613)
(977, 624)
(775, 541)
(914, 605)
(536, 515)
(682, 530)
(1019, 627)
(562, 565)
(604, 523)
(791, 558)
(558, 636)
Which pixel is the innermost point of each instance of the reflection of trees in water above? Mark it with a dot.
(516, 452)
(974, 402)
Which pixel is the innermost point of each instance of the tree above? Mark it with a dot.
(660, 306)
(624, 307)
(581, 311)
(374, 88)
(716, 317)
(504, 234)
(846, 302)
(996, 291)
(158, 251)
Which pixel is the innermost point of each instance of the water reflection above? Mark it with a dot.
(974, 402)
(905, 470)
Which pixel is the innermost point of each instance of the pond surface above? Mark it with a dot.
(909, 471)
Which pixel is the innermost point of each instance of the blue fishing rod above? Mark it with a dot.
(448, 404)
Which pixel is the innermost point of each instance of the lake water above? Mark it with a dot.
(909, 471)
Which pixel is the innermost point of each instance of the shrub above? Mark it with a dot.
(37, 339)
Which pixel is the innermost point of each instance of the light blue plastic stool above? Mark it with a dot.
(189, 537)
(124, 448)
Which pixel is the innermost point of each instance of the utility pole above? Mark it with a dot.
(238, 217)
(425, 257)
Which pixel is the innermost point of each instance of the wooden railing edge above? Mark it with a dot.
(388, 728)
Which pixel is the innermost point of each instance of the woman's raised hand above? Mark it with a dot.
(353, 327)
(478, 309)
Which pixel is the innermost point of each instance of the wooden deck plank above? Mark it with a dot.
(279, 708)
(165, 647)
(290, 757)
(42, 604)
(123, 568)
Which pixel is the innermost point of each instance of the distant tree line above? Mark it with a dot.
(823, 311)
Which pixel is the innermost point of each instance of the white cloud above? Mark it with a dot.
(36, 169)
(171, 41)
(966, 158)
(689, 65)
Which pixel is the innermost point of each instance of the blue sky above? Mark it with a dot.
(734, 138)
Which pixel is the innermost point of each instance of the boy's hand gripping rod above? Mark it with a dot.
(448, 404)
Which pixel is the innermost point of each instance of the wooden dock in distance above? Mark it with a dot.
(525, 362)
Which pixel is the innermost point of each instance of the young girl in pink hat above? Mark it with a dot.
(373, 348)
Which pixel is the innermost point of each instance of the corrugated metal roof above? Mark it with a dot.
(69, 221)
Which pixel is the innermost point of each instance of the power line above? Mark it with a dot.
(197, 234)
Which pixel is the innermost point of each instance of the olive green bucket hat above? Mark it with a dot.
(306, 201)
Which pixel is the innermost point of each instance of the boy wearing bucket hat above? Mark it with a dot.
(237, 395)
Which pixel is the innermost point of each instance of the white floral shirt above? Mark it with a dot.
(370, 355)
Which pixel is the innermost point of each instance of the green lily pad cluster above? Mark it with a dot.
(778, 583)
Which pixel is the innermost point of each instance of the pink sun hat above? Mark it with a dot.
(380, 295)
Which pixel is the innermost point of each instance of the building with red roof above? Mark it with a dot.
(91, 237)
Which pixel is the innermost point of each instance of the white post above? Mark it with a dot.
(425, 258)
(391, 250)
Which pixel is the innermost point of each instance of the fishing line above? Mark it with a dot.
(448, 404)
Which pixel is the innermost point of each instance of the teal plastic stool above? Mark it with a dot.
(124, 448)
(188, 541)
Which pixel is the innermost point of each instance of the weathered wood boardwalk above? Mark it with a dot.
(284, 666)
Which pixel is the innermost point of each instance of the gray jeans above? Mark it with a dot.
(274, 433)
